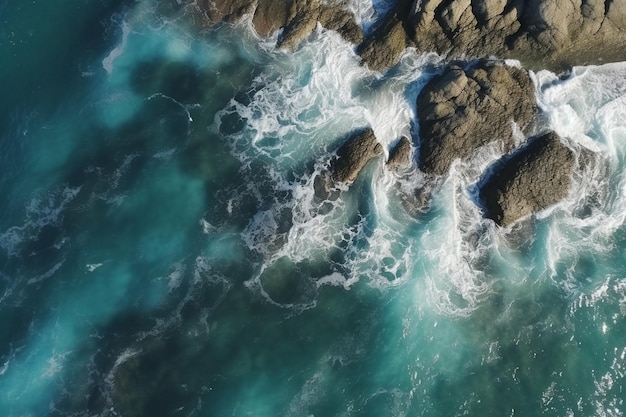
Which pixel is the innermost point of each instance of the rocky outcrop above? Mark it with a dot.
(463, 109)
(383, 47)
(400, 155)
(551, 34)
(353, 155)
(385, 44)
(467, 106)
(335, 17)
(297, 18)
(535, 177)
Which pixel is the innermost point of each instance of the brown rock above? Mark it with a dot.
(541, 33)
(271, 15)
(400, 155)
(334, 17)
(353, 155)
(383, 47)
(535, 177)
(297, 29)
(465, 108)
(297, 18)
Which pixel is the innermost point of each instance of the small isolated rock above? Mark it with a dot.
(400, 155)
(353, 155)
(535, 177)
(463, 109)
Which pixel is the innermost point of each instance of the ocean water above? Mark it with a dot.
(163, 253)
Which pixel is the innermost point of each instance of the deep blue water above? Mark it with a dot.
(163, 253)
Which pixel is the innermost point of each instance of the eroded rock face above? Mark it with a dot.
(353, 155)
(549, 34)
(297, 18)
(463, 109)
(535, 177)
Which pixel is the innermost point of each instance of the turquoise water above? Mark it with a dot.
(162, 251)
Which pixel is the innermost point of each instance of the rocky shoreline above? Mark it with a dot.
(477, 100)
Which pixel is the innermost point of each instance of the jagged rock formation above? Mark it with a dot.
(384, 46)
(468, 105)
(464, 109)
(535, 177)
(551, 34)
(297, 18)
(353, 155)
(400, 155)
(544, 33)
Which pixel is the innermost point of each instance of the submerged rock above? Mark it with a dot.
(535, 177)
(284, 282)
(465, 108)
(353, 155)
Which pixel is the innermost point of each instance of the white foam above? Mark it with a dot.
(4, 367)
(55, 364)
(308, 396)
(367, 12)
(335, 279)
(462, 254)
(586, 109)
(43, 210)
(49, 273)
(178, 49)
(202, 273)
(176, 277)
(93, 267)
(109, 379)
(307, 100)
(184, 107)
(165, 154)
(299, 109)
(312, 97)
(11, 239)
(109, 60)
